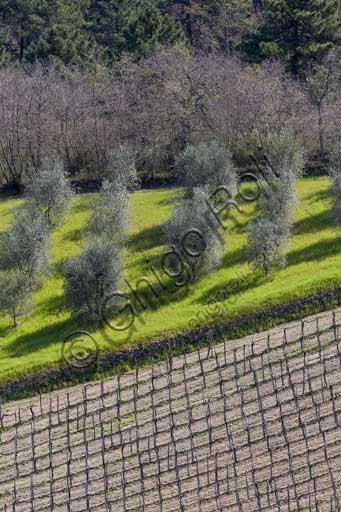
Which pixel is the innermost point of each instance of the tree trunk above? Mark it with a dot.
(321, 137)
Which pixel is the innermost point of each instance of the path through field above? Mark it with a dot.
(249, 425)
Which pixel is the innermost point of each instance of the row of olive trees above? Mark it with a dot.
(192, 231)
(269, 232)
(24, 246)
(204, 170)
(95, 273)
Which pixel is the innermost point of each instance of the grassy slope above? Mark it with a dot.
(314, 260)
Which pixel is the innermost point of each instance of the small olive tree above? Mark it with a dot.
(50, 191)
(207, 164)
(109, 213)
(268, 235)
(23, 247)
(267, 241)
(282, 156)
(91, 276)
(121, 168)
(192, 236)
(14, 294)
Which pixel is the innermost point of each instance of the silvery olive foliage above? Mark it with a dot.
(109, 213)
(91, 276)
(23, 247)
(207, 164)
(121, 168)
(283, 156)
(268, 235)
(14, 294)
(190, 233)
(50, 191)
(335, 174)
(267, 241)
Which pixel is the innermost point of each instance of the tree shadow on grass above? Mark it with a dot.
(48, 335)
(4, 331)
(147, 239)
(321, 195)
(312, 224)
(315, 252)
(233, 258)
(241, 283)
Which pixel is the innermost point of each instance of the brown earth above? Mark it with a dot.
(248, 425)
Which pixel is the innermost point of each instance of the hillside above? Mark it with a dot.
(313, 265)
(250, 425)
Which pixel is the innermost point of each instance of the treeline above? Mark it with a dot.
(88, 31)
(158, 106)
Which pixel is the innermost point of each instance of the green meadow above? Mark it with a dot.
(314, 263)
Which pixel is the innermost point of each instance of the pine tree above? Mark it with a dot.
(149, 29)
(119, 26)
(107, 21)
(46, 28)
(299, 31)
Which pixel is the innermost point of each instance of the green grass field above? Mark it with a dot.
(314, 263)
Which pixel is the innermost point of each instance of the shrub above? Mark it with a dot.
(91, 276)
(207, 164)
(50, 191)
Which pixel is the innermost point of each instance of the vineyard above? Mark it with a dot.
(242, 426)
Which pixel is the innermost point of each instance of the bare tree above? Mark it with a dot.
(322, 81)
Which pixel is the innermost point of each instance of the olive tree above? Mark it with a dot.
(268, 235)
(91, 276)
(109, 213)
(267, 241)
(14, 294)
(207, 164)
(282, 156)
(23, 247)
(50, 191)
(121, 168)
(193, 237)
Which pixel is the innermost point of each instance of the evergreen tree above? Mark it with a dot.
(119, 26)
(299, 31)
(107, 21)
(45, 28)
